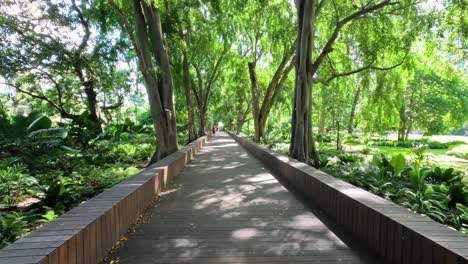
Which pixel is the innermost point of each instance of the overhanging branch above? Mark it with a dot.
(340, 24)
(367, 67)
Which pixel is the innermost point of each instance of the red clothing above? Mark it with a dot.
(213, 130)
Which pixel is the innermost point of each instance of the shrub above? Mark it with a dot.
(405, 144)
(432, 191)
(436, 145)
(16, 185)
(382, 143)
(12, 226)
(323, 138)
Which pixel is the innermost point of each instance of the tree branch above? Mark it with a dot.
(127, 25)
(114, 106)
(84, 23)
(367, 67)
(357, 15)
(60, 108)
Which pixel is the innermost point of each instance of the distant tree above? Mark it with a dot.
(39, 61)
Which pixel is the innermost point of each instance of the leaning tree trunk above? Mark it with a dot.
(188, 97)
(302, 144)
(353, 110)
(255, 94)
(261, 111)
(150, 47)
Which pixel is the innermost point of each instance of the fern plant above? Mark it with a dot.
(12, 226)
(15, 185)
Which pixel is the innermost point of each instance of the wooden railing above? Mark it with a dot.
(87, 233)
(389, 230)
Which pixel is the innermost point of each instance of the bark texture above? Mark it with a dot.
(147, 38)
(302, 144)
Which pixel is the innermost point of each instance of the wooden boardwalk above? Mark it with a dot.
(226, 207)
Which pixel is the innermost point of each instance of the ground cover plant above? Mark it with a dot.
(402, 172)
(45, 170)
(422, 186)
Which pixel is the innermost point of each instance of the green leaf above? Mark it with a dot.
(41, 122)
(49, 133)
(447, 173)
(399, 164)
(443, 188)
(463, 209)
(429, 191)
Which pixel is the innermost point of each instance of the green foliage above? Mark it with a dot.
(67, 163)
(448, 175)
(398, 163)
(83, 129)
(325, 138)
(124, 129)
(37, 162)
(48, 216)
(12, 226)
(431, 144)
(15, 184)
(438, 193)
(460, 218)
(427, 201)
(436, 145)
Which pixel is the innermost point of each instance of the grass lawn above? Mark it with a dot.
(438, 156)
(408, 151)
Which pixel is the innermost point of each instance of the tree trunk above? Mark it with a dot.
(322, 118)
(302, 144)
(202, 118)
(261, 111)
(353, 110)
(188, 98)
(255, 92)
(402, 127)
(239, 125)
(91, 95)
(408, 129)
(259, 124)
(202, 95)
(149, 45)
(241, 118)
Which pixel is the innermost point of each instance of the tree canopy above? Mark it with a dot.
(256, 66)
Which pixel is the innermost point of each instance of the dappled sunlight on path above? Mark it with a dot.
(227, 208)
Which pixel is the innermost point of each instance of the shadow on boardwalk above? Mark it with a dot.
(226, 207)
